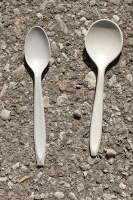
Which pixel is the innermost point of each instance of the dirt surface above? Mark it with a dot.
(68, 89)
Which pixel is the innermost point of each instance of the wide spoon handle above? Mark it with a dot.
(39, 122)
(96, 124)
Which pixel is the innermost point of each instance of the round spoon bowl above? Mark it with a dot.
(103, 42)
(37, 49)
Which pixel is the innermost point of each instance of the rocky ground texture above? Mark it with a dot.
(68, 89)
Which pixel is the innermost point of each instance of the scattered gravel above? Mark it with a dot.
(68, 87)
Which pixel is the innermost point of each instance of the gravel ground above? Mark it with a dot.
(68, 89)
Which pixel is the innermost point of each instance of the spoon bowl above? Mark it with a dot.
(37, 56)
(103, 43)
(37, 49)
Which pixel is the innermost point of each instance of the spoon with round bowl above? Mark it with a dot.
(103, 44)
(37, 56)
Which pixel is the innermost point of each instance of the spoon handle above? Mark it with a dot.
(39, 122)
(96, 124)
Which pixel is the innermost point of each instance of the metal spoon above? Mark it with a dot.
(37, 55)
(103, 43)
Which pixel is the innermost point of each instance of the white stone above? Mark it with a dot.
(82, 19)
(5, 114)
(39, 15)
(59, 195)
(116, 18)
(122, 186)
(91, 79)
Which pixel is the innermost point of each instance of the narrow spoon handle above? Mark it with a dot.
(96, 124)
(39, 123)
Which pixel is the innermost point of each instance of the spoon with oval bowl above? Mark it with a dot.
(37, 55)
(103, 44)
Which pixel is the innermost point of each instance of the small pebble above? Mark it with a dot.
(52, 61)
(46, 102)
(3, 91)
(78, 32)
(3, 46)
(61, 45)
(3, 179)
(39, 15)
(24, 168)
(59, 195)
(39, 175)
(122, 186)
(24, 179)
(72, 196)
(77, 114)
(112, 80)
(5, 114)
(62, 85)
(84, 32)
(129, 77)
(130, 181)
(130, 41)
(85, 167)
(16, 11)
(19, 71)
(109, 196)
(92, 2)
(75, 125)
(116, 2)
(119, 88)
(116, 18)
(110, 153)
(85, 173)
(15, 166)
(54, 47)
(82, 19)
(61, 24)
(111, 160)
(6, 68)
(62, 99)
(37, 197)
(10, 185)
(91, 79)
(80, 187)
